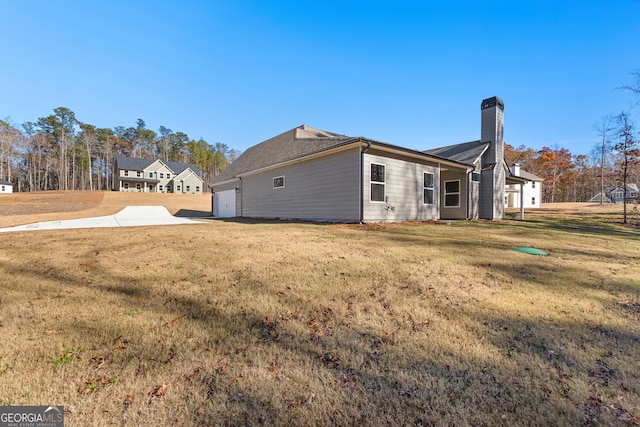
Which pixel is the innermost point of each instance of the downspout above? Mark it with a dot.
(241, 195)
(362, 151)
(469, 187)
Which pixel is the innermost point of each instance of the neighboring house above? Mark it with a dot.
(617, 194)
(311, 174)
(5, 186)
(600, 197)
(156, 176)
(531, 191)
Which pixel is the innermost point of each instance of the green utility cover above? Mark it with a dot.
(531, 251)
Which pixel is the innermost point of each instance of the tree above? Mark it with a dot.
(61, 128)
(635, 86)
(603, 128)
(627, 147)
(9, 137)
(555, 165)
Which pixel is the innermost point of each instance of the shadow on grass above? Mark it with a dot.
(190, 213)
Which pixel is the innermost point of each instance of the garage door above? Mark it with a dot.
(226, 204)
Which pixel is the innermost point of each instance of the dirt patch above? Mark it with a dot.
(27, 208)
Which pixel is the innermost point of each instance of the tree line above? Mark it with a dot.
(59, 152)
(612, 163)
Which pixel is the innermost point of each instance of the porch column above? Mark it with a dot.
(521, 201)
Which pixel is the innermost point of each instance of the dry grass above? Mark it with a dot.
(247, 323)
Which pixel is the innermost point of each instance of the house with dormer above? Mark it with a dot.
(156, 176)
(312, 174)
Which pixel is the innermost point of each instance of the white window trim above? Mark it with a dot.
(383, 183)
(432, 188)
(446, 194)
(279, 186)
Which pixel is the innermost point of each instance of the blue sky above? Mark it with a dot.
(410, 73)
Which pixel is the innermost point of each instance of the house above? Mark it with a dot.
(5, 186)
(531, 191)
(617, 194)
(311, 174)
(600, 197)
(156, 176)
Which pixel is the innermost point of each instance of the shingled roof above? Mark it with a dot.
(467, 152)
(4, 182)
(130, 163)
(293, 144)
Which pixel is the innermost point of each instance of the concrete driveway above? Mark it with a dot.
(131, 216)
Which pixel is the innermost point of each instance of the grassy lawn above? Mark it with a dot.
(248, 323)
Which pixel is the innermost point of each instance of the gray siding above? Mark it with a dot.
(404, 189)
(459, 212)
(322, 189)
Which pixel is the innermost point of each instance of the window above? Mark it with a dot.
(150, 174)
(126, 185)
(138, 187)
(428, 188)
(533, 184)
(161, 175)
(138, 174)
(188, 188)
(197, 189)
(452, 194)
(377, 183)
(533, 200)
(3, 188)
(160, 187)
(178, 188)
(126, 173)
(278, 182)
(475, 176)
(168, 175)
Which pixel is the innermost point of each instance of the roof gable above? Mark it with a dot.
(293, 144)
(131, 163)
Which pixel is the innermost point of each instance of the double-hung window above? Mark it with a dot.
(428, 188)
(452, 194)
(378, 183)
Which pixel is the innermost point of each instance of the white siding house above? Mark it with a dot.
(531, 191)
(5, 186)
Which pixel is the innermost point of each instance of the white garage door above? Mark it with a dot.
(226, 204)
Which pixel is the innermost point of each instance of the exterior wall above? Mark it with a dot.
(492, 181)
(459, 212)
(187, 184)
(158, 168)
(473, 200)
(6, 188)
(403, 189)
(532, 195)
(322, 189)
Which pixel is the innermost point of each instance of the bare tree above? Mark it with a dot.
(603, 129)
(627, 146)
